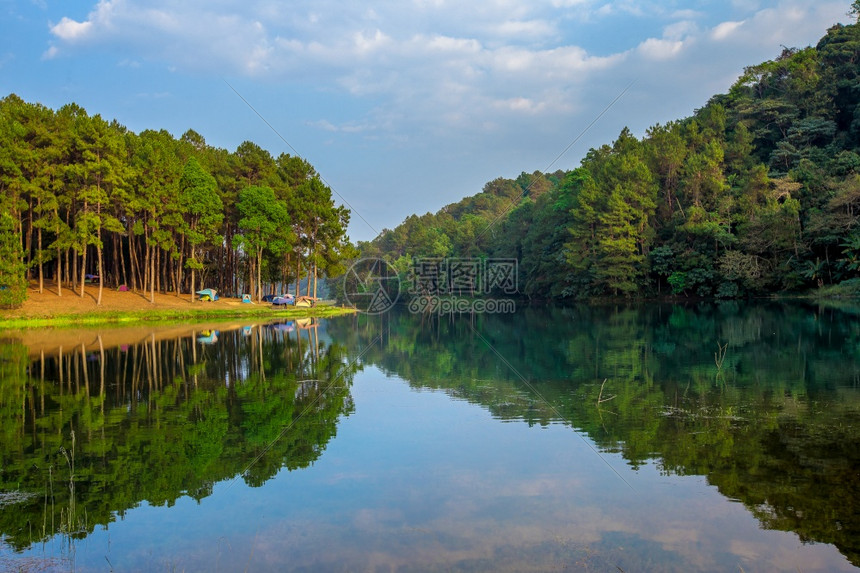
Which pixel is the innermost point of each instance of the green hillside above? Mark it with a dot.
(758, 192)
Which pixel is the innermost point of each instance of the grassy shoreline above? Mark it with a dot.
(166, 315)
(49, 307)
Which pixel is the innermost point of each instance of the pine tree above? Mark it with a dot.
(618, 261)
(203, 213)
(13, 281)
(585, 207)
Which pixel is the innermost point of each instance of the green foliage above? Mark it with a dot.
(848, 288)
(264, 225)
(739, 199)
(678, 281)
(13, 282)
(144, 209)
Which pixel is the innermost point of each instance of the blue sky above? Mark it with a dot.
(402, 106)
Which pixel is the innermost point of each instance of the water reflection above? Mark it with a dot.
(763, 400)
(472, 463)
(93, 429)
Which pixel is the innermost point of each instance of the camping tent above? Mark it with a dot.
(208, 294)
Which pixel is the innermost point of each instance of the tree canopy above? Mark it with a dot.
(757, 192)
(91, 201)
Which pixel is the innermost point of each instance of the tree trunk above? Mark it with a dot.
(308, 285)
(192, 276)
(83, 271)
(116, 246)
(249, 286)
(225, 252)
(151, 257)
(144, 282)
(28, 246)
(298, 274)
(99, 255)
(152, 274)
(179, 265)
(134, 263)
(41, 272)
(259, 273)
(312, 268)
(121, 257)
(59, 272)
(315, 280)
(177, 276)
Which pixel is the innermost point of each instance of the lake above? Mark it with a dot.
(609, 437)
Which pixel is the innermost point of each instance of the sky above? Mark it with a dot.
(402, 106)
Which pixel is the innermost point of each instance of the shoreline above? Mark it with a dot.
(48, 309)
(41, 343)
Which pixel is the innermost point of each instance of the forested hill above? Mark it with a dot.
(85, 198)
(758, 192)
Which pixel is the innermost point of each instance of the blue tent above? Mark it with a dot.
(208, 337)
(208, 294)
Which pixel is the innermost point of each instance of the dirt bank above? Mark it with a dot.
(48, 304)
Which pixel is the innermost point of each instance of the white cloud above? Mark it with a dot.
(678, 30)
(348, 127)
(520, 105)
(461, 54)
(495, 57)
(505, 76)
(524, 29)
(72, 31)
(323, 124)
(50, 53)
(658, 49)
(725, 30)
(448, 44)
(368, 43)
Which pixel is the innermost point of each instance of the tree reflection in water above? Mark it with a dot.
(762, 399)
(91, 431)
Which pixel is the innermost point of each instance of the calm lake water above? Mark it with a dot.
(600, 438)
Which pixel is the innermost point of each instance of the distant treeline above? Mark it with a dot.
(82, 199)
(758, 192)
